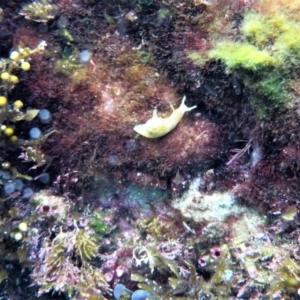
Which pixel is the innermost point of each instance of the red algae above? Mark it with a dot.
(99, 113)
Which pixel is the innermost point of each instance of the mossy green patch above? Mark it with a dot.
(262, 30)
(98, 224)
(273, 87)
(287, 46)
(270, 93)
(197, 58)
(242, 56)
(265, 56)
(145, 57)
(275, 32)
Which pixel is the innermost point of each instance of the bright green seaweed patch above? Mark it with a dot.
(98, 224)
(242, 55)
(265, 56)
(272, 87)
(266, 40)
(277, 33)
(261, 30)
(271, 93)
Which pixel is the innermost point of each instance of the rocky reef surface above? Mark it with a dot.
(202, 206)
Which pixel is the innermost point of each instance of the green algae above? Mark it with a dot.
(268, 49)
(97, 223)
(242, 56)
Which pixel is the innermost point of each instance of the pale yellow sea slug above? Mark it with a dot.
(157, 127)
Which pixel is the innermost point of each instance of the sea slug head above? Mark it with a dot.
(153, 128)
(142, 130)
